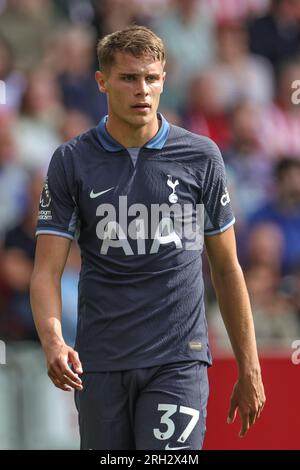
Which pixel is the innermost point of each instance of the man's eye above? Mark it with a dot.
(151, 78)
(128, 78)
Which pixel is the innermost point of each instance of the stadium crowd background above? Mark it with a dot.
(230, 69)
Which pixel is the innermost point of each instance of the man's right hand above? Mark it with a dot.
(59, 359)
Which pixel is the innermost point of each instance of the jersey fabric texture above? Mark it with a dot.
(141, 293)
(157, 408)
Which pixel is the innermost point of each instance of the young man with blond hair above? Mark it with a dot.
(138, 190)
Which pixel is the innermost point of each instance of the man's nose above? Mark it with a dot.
(141, 87)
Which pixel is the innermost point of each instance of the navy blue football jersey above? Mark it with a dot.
(139, 217)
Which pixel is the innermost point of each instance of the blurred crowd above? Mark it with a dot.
(230, 69)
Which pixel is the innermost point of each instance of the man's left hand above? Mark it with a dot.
(248, 397)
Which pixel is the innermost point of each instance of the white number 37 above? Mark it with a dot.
(170, 410)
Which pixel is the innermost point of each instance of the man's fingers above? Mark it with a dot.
(261, 408)
(254, 415)
(68, 377)
(71, 382)
(65, 388)
(252, 418)
(60, 371)
(245, 423)
(54, 371)
(232, 410)
(67, 372)
(65, 375)
(64, 382)
(59, 384)
(248, 398)
(74, 360)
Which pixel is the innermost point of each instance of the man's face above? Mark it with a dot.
(133, 87)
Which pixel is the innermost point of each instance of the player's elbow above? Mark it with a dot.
(221, 272)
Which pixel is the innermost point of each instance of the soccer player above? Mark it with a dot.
(132, 189)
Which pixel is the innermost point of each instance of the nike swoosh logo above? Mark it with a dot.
(93, 195)
(175, 448)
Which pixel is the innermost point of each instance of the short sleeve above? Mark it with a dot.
(218, 213)
(58, 212)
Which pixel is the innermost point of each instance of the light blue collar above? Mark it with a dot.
(111, 145)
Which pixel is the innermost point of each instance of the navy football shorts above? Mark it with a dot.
(161, 407)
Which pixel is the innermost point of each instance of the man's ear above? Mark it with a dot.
(163, 81)
(101, 81)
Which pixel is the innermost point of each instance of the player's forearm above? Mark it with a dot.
(235, 308)
(45, 297)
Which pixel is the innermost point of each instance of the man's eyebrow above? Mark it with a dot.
(136, 74)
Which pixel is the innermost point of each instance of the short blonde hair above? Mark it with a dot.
(136, 40)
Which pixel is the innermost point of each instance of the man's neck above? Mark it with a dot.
(129, 136)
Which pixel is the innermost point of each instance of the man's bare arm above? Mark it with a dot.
(45, 295)
(248, 394)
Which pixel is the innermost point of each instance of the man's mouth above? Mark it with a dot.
(141, 106)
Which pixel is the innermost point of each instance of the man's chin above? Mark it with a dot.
(141, 120)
